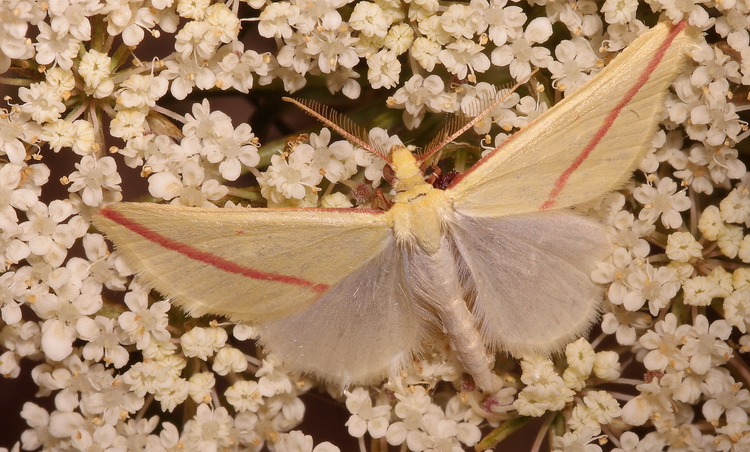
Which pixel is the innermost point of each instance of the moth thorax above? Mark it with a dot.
(420, 220)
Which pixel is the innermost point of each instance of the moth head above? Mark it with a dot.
(404, 163)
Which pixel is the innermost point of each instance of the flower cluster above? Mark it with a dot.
(90, 106)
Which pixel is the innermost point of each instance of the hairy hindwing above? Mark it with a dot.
(366, 328)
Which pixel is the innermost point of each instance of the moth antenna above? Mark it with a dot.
(453, 129)
(338, 122)
(446, 134)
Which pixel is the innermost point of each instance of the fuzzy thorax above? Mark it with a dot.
(419, 210)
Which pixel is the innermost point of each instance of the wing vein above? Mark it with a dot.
(205, 257)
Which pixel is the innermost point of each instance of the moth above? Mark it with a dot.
(497, 260)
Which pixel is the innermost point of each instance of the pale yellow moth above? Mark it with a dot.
(497, 261)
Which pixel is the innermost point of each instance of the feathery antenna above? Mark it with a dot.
(451, 131)
(338, 122)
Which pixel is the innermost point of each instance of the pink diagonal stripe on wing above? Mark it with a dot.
(207, 258)
(611, 117)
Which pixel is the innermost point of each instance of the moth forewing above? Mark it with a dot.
(589, 143)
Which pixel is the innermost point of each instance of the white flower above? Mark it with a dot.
(545, 390)
(94, 176)
(420, 95)
(297, 441)
(276, 18)
(706, 345)
(38, 419)
(224, 20)
(84, 142)
(244, 396)
(141, 91)
(384, 69)
(187, 74)
(53, 47)
(13, 195)
(727, 398)
(505, 23)
(73, 17)
(630, 442)
(365, 418)
(619, 11)
(710, 223)
(602, 406)
(664, 343)
(735, 437)
(737, 309)
(200, 386)
(197, 40)
(579, 440)
(713, 124)
(654, 402)
(95, 70)
(104, 336)
(662, 201)
(730, 240)
(10, 364)
(699, 291)
(42, 102)
(373, 165)
(581, 357)
(735, 208)
(142, 322)
(208, 429)
(149, 376)
(733, 24)
(425, 51)
(234, 67)
(520, 54)
(682, 246)
(607, 365)
(574, 59)
(192, 9)
(110, 399)
(335, 160)
(203, 342)
(14, 27)
(336, 200)
(171, 393)
(238, 147)
(463, 21)
(11, 134)
(436, 433)
(192, 190)
(655, 285)
(229, 359)
(410, 409)
(399, 38)
(369, 19)
(290, 177)
(46, 233)
(57, 339)
(464, 57)
(333, 48)
(128, 123)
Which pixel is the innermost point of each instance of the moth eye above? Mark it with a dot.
(388, 174)
(442, 181)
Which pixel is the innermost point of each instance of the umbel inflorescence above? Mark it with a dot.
(116, 367)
